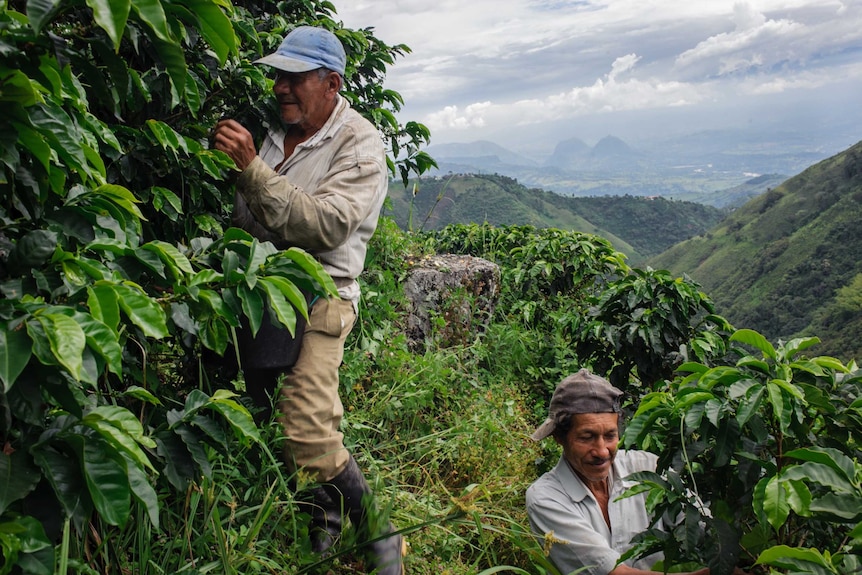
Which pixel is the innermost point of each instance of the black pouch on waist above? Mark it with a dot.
(273, 346)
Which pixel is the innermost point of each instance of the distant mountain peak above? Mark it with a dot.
(612, 146)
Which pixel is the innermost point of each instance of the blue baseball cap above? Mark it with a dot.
(307, 48)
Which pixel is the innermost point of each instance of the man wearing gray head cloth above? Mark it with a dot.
(318, 183)
(576, 501)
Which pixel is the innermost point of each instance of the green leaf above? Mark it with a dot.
(143, 491)
(174, 59)
(775, 503)
(166, 136)
(252, 306)
(284, 312)
(64, 474)
(215, 26)
(313, 268)
(152, 12)
(18, 477)
(122, 197)
(825, 475)
(122, 430)
(845, 506)
(39, 12)
(107, 481)
(829, 457)
(111, 16)
(141, 394)
(30, 138)
(104, 304)
(15, 353)
(195, 446)
(238, 416)
(797, 559)
(799, 497)
(293, 294)
(143, 311)
(171, 255)
(756, 340)
(67, 341)
(103, 340)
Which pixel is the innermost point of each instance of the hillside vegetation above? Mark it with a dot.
(128, 442)
(789, 262)
(637, 226)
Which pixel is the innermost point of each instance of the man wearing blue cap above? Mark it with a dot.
(576, 505)
(318, 183)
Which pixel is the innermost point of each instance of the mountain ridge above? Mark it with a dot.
(788, 263)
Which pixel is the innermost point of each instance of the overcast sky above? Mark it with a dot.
(528, 73)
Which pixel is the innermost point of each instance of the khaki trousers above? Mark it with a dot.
(309, 404)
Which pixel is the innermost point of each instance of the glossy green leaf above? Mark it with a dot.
(756, 340)
(293, 294)
(18, 477)
(831, 458)
(214, 335)
(100, 338)
(798, 497)
(174, 60)
(104, 304)
(279, 305)
(65, 476)
(141, 394)
(152, 12)
(845, 507)
(238, 416)
(775, 503)
(196, 447)
(66, 340)
(252, 306)
(171, 255)
(144, 312)
(30, 138)
(40, 11)
(107, 481)
(15, 353)
(164, 197)
(825, 475)
(313, 268)
(143, 491)
(119, 428)
(797, 559)
(121, 197)
(215, 26)
(166, 136)
(111, 16)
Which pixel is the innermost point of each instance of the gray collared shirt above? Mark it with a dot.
(559, 504)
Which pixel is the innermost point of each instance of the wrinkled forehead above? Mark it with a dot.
(595, 422)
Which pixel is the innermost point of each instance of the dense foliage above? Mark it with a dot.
(127, 444)
(638, 226)
(118, 271)
(788, 262)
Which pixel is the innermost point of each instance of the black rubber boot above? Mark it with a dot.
(383, 553)
(325, 527)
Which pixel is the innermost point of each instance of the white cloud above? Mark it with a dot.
(450, 117)
(486, 65)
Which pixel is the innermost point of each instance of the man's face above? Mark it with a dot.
(305, 99)
(591, 444)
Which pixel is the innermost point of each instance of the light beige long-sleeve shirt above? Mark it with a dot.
(325, 198)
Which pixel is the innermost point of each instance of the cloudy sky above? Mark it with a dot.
(528, 73)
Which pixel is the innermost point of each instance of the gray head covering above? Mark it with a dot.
(308, 48)
(581, 392)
